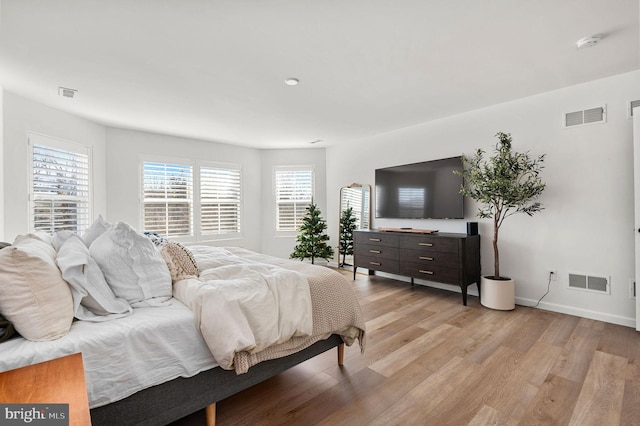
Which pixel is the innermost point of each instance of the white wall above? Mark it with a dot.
(116, 158)
(2, 238)
(587, 225)
(281, 244)
(126, 150)
(21, 116)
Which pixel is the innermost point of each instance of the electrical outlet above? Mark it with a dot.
(553, 275)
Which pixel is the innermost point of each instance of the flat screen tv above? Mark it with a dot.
(427, 190)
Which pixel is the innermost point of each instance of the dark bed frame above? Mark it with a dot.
(170, 401)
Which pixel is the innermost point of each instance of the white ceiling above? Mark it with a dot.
(215, 69)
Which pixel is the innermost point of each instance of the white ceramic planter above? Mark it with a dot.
(498, 294)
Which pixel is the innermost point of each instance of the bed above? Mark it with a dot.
(154, 365)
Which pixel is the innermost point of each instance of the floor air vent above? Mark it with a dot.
(587, 116)
(631, 106)
(589, 283)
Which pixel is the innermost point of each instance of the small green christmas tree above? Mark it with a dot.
(312, 241)
(347, 226)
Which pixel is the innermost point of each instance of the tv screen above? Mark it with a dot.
(427, 190)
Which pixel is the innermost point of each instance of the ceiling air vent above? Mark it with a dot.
(589, 283)
(630, 106)
(587, 116)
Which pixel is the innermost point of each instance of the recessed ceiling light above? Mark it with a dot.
(589, 41)
(66, 92)
(291, 81)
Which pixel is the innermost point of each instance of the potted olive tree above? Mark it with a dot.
(504, 184)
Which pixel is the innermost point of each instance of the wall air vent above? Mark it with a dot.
(630, 106)
(587, 116)
(589, 283)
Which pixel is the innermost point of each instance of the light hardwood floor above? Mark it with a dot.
(429, 360)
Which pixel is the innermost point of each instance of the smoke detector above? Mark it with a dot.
(589, 41)
(66, 92)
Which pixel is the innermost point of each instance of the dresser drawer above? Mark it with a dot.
(377, 251)
(377, 263)
(434, 272)
(442, 257)
(423, 257)
(444, 245)
(375, 238)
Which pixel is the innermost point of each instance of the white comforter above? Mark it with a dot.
(242, 305)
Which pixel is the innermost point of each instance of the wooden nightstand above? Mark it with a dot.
(59, 381)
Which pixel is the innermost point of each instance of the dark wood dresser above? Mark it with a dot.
(440, 257)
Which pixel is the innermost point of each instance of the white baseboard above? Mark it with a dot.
(562, 309)
(472, 290)
(579, 312)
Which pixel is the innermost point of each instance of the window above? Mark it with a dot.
(294, 192)
(219, 200)
(191, 200)
(60, 196)
(168, 198)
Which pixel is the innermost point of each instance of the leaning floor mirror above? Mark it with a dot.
(355, 213)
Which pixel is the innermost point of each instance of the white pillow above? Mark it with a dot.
(132, 266)
(95, 230)
(33, 295)
(41, 235)
(59, 239)
(93, 300)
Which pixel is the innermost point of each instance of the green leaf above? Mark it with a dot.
(503, 184)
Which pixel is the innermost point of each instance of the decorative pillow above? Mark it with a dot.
(33, 295)
(95, 230)
(179, 259)
(132, 266)
(93, 300)
(155, 238)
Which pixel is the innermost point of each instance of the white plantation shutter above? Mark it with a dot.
(219, 200)
(60, 189)
(294, 192)
(351, 198)
(168, 199)
(357, 199)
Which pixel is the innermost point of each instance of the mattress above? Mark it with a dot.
(123, 356)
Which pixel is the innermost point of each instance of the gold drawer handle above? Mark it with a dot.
(375, 251)
(425, 258)
(426, 244)
(426, 272)
(375, 263)
(375, 239)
